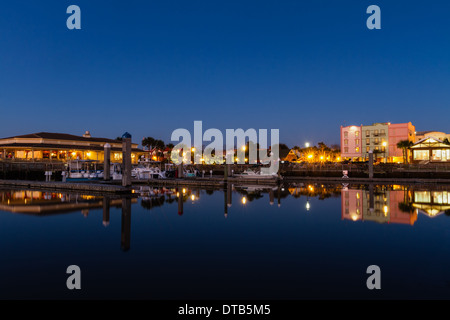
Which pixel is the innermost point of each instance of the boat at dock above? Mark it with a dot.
(83, 170)
(250, 174)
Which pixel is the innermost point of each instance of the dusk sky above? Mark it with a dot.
(150, 67)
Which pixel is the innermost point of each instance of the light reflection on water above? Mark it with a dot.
(291, 241)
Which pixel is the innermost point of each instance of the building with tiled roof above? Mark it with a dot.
(62, 146)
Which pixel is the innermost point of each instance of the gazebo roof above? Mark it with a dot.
(430, 142)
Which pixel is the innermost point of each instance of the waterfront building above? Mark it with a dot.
(430, 150)
(376, 139)
(47, 146)
(399, 132)
(351, 143)
(380, 138)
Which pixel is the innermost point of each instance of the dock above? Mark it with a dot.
(91, 187)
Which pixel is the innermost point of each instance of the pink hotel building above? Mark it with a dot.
(380, 138)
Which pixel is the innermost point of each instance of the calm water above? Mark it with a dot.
(292, 242)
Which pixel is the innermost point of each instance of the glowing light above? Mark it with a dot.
(384, 144)
(307, 144)
(321, 157)
(184, 190)
(308, 206)
(192, 197)
(243, 148)
(244, 200)
(193, 149)
(88, 154)
(178, 194)
(338, 158)
(74, 153)
(310, 156)
(154, 158)
(385, 209)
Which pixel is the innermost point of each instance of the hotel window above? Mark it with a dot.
(367, 149)
(367, 133)
(346, 142)
(383, 149)
(376, 141)
(375, 133)
(382, 132)
(345, 134)
(367, 141)
(357, 134)
(346, 149)
(357, 149)
(376, 148)
(357, 142)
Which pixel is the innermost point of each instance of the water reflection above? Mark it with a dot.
(396, 204)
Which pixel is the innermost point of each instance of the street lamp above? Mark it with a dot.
(307, 144)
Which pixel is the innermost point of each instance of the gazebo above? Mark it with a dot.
(430, 149)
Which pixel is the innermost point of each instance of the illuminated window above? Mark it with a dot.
(357, 142)
(421, 155)
(357, 149)
(367, 149)
(367, 141)
(345, 134)
(346, 142)
(422, 196)
(357, 134)
(367, 133)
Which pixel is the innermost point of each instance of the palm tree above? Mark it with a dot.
(148, 142)
(404, 145)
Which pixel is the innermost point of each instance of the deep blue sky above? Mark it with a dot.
(149, 67)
